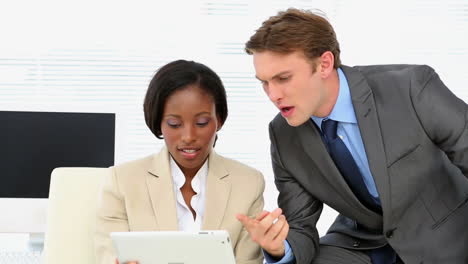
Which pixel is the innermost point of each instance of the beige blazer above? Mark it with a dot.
(139, 196)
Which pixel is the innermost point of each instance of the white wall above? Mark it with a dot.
(98, 56)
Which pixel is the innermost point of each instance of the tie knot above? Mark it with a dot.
(329, 127)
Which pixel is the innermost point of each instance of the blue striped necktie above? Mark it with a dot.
(347, 166)
(345, 163)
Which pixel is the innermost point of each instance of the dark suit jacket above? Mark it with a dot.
(415, 133)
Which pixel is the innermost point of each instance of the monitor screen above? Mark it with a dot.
(32, 144)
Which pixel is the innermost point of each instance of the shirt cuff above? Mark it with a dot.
(287, 259)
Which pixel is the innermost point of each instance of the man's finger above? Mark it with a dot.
(269, 219)
(276, 228)
(245, 220)
(276, 213)
(261, 215)
(241, 217)
(283, 234)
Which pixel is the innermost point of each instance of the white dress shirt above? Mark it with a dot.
(184, 215)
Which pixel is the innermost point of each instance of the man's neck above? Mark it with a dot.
(332, 85)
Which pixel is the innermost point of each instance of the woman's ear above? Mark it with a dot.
(220, 124)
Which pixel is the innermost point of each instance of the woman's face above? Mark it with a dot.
(189, 125)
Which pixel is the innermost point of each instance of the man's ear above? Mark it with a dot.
(326, 66)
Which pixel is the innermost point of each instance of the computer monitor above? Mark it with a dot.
(32, 144)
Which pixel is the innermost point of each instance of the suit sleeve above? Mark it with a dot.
(443, 116)
(111, 217)
(301, 209)
(247, 251)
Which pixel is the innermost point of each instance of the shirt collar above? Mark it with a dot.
(343, 111)
(198, 181)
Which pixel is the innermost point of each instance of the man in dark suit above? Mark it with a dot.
(386, 146)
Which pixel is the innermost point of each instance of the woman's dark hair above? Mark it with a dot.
(178, 75)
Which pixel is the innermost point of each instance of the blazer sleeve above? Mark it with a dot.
(247, 251)
(111, 217)
(301, 209)
(443, 115)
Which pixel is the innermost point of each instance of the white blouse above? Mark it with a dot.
(184, 215)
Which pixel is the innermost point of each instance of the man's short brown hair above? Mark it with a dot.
(296, 30)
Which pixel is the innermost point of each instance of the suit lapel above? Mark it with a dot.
(218, 189)
(312, 144)
(310, 141)
(367, 116)
(161, 191)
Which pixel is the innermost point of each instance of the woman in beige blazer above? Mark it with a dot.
(186, 186)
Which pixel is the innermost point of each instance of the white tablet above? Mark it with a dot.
(174, 247)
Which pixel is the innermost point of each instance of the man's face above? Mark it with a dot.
(291, 84)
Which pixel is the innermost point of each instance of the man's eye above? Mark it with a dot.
(282, 79)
